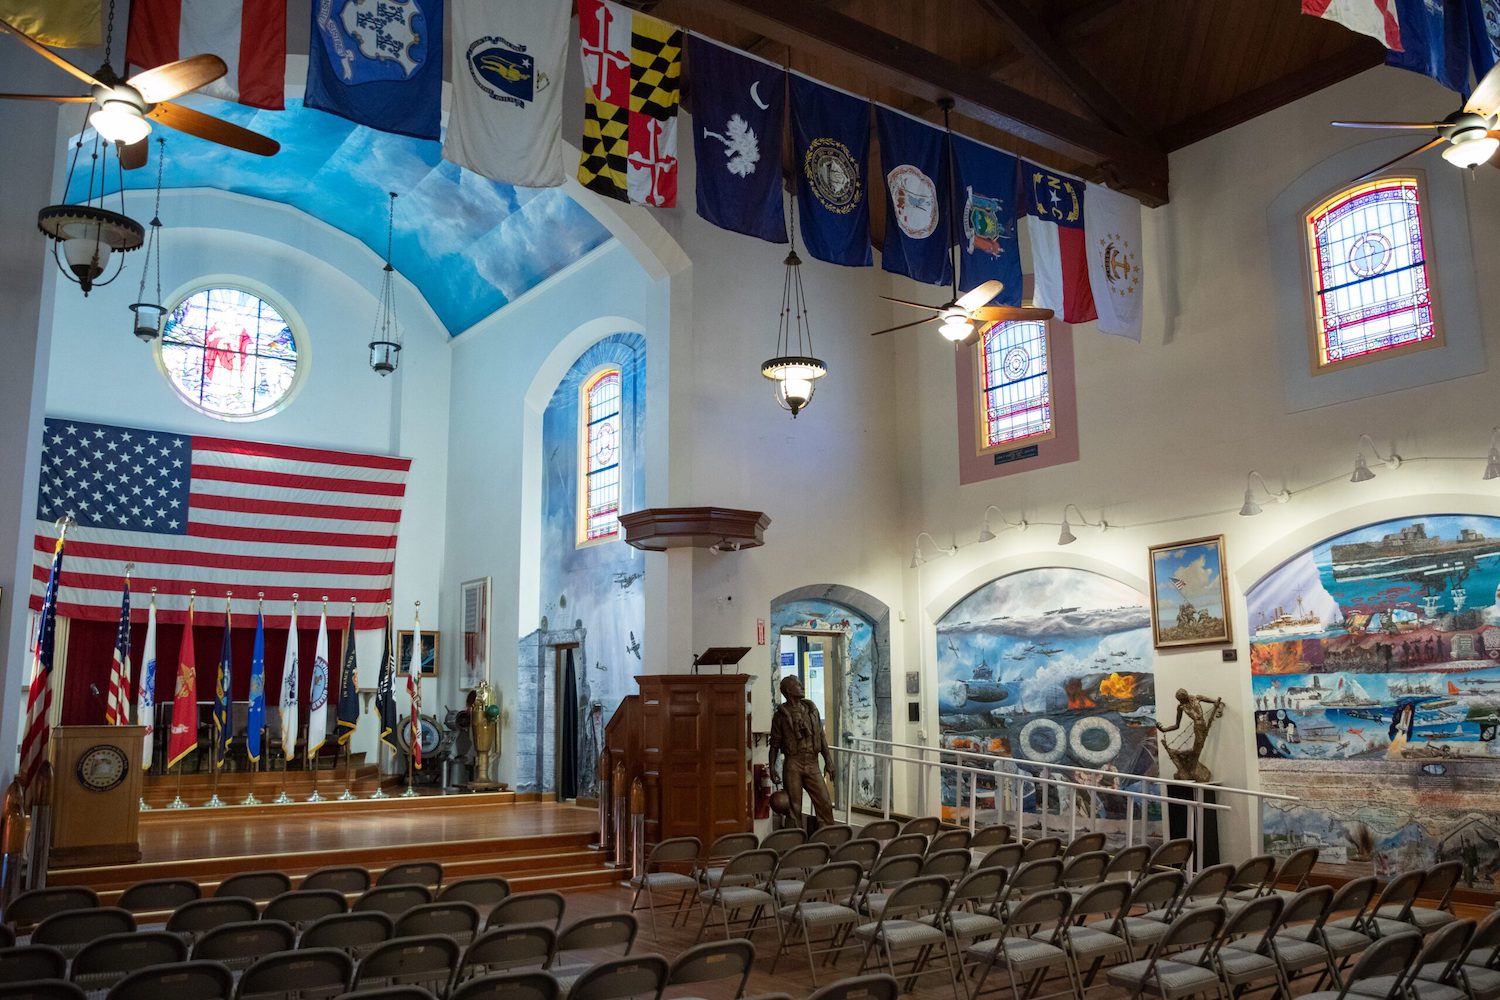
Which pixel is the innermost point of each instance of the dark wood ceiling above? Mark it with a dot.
(1100, 88)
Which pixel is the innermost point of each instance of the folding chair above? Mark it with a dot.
(712, 962)
(35, 905)
(1084, 843)
(70, 930)
(783, 840)
(880, 987)
(193, 920)
(351, 880)
(1242, 956)
(1481, 981)
(1394, 901)
(656, 877)
(1435, 975)
(1437, 884)
(29, 962)
(792, 869)
(988, 837)
(1029, 878)
(970, 913)
(908, 921)
(1207, 888)
(883, 879)
(1084, 870)
(720, 851)
(259, 886)
(1007, 856)
(484, 891)
(159, 895)
(1387, 960)
(949, 840)
(1288, 880)
(502, 949)
(1022, 948)
(425, 873)
(906, 843)
(593, 934)
(862, 851)
(303, 907)
(927, 826)
(1096, 929)
(183, 981)
(355, 934)
(236, 946)
(823, 903)
(1129, 863)
(540, 907)
(1042, 849)
(743, 883)
(1171, 854)
(509, 986)
(392, 900)
(1344, 937)
(1295, 944)
(834, 835)
(1252, 877)
(951, 865)
(1152, 893)
(418, 961)
(307, 974)
(103, 962)
(41, 989)
(460, 921)
(1168, 978)
(635, 976)
(880, 829)
(393, 993)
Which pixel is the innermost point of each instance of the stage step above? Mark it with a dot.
(196, 789)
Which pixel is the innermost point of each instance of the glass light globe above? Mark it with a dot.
(119, 121)
(1471, 152)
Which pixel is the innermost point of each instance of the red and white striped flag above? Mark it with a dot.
(117, 704)
(1376, 18)
(39, 699)
(249, 35)
(215, 515)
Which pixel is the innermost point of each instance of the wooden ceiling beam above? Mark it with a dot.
(1135, 167)
(1033, 36)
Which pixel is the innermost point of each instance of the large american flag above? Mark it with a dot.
(215, 515)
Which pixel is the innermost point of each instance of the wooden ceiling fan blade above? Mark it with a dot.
(185, 119)
(135, 155)
(1485, 100)
(1009, 314)
(903, 326)
(177, 78)
(1402, 125)
(45, 97)
(1391, 163)
(984, 294)
(48, 54)
(914, 305)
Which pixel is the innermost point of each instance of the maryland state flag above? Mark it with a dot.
(632, 72)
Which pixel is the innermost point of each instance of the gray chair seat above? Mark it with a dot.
(1236, 962)
(1344, 942)
(1018, 953)
(1138, 929)
(1092, 942)
(666, 880)
(901, 933)
(1175, 977)
(787, 888)
(874, 904)
(1298, 953)
(968, 925)
(735, 896)
(817, 914)
(1424, 918)
(1485, 983)
(1480, 956)
(1380, 986)
(1385, 925)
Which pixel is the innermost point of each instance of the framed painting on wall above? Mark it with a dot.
(476, 632)
(431, 646)
(1189, 594)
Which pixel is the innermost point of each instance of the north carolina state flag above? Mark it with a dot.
(1059, 248)
(249, 35)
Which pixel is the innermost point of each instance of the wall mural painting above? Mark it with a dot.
(1052, 666)
(1375, 663)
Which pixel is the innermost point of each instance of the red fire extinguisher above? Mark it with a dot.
(762, 792)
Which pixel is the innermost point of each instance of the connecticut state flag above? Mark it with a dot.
(986, 196)
(632, 78)
(1059, 245)
(378, 63)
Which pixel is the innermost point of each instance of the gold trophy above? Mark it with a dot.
(484, 729)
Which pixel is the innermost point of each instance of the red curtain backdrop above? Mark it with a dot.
(91, 648)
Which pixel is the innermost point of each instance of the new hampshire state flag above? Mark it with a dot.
(378, 63)
(831, 143)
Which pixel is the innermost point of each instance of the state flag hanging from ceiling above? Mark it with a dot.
(62, 24)
(918, 198)
(1059, 246)
(1434, 41)
(1484, 35)
(739, 109)
(507, 59)
(831, 144)
(1112, 229)
(378, 63)
(985, 190)
(249, 35)
(632, 74)
(1376, 18)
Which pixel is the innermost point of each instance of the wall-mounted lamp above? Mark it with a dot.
(1250, 507)
(918, 559)
(1492, 464)
(987, 534)
(1066, 536)
(1362, 473)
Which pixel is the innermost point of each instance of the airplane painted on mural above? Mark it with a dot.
(1049, 652)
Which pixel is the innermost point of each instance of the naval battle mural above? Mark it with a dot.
(1375, 673)
(1048, 666)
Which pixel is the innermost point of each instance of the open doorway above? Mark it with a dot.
(817, 657)
(566, 730)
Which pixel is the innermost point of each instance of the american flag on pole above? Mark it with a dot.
(39, 700)
(215, 514)
(1180, 584)
(117, 703)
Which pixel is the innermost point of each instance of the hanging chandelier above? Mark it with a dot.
(85, 234)
(150, 316)
(796, 374)
(385, 348)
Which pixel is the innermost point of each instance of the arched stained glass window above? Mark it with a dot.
(1015, 385)
(229, 353)
(601, 436)
(1371, 290)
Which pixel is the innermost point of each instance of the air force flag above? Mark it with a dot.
(739, 104)
(918, 231)
(378, 63)
(831, 142)
(986, 197)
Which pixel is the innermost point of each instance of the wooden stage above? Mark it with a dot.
(536, 845)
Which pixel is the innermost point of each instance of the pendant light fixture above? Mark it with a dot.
(795, 375)
(151, 315)
(85, 234)
(385, 348)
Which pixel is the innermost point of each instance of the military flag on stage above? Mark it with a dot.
(506, 68)
(183, 738)
(348, 709)
(985, 191)
(289, 718)
(145, 707)
(39, 698)
(831, 148)
(739, 111)
(317, 693)
(255, 714)
(378, 64)
(117, 700)
(1059, 246)
(414, 692)
(632, 75)
(385, 688)
(249, 35)
(918, 198)
(223, 719)
(1112, 230)
(62, 24)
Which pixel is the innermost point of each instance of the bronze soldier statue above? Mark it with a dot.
(797, 732)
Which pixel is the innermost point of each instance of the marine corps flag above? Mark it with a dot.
(739, 111)
(830, 148)
(378, 64)
(506, 69)
(632, 71)
(183, 739)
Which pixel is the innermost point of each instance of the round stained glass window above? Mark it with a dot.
(229, 353)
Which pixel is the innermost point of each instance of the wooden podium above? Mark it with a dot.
(96, 795)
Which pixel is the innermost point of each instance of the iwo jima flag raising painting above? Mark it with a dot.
(215, 515)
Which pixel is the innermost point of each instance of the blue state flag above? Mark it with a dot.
(986, 195)
(831, 139)
(1484, 35)
(918, 198)
(1434, 41)
(255, 717)
(379, 64)
(739, 110)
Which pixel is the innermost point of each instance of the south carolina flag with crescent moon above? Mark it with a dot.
(1112, 230)
(739, 107)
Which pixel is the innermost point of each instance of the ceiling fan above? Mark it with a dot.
(1472, 134)
(960, 316)
(128, 106)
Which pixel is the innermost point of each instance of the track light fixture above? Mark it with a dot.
(1250, 507)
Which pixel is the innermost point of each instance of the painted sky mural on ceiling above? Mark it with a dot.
(468, 244)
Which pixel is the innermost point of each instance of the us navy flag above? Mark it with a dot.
(918, 200)
(986, 195)
(378, 64)
(831, 139)
(1434, 41)
(739, 106)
